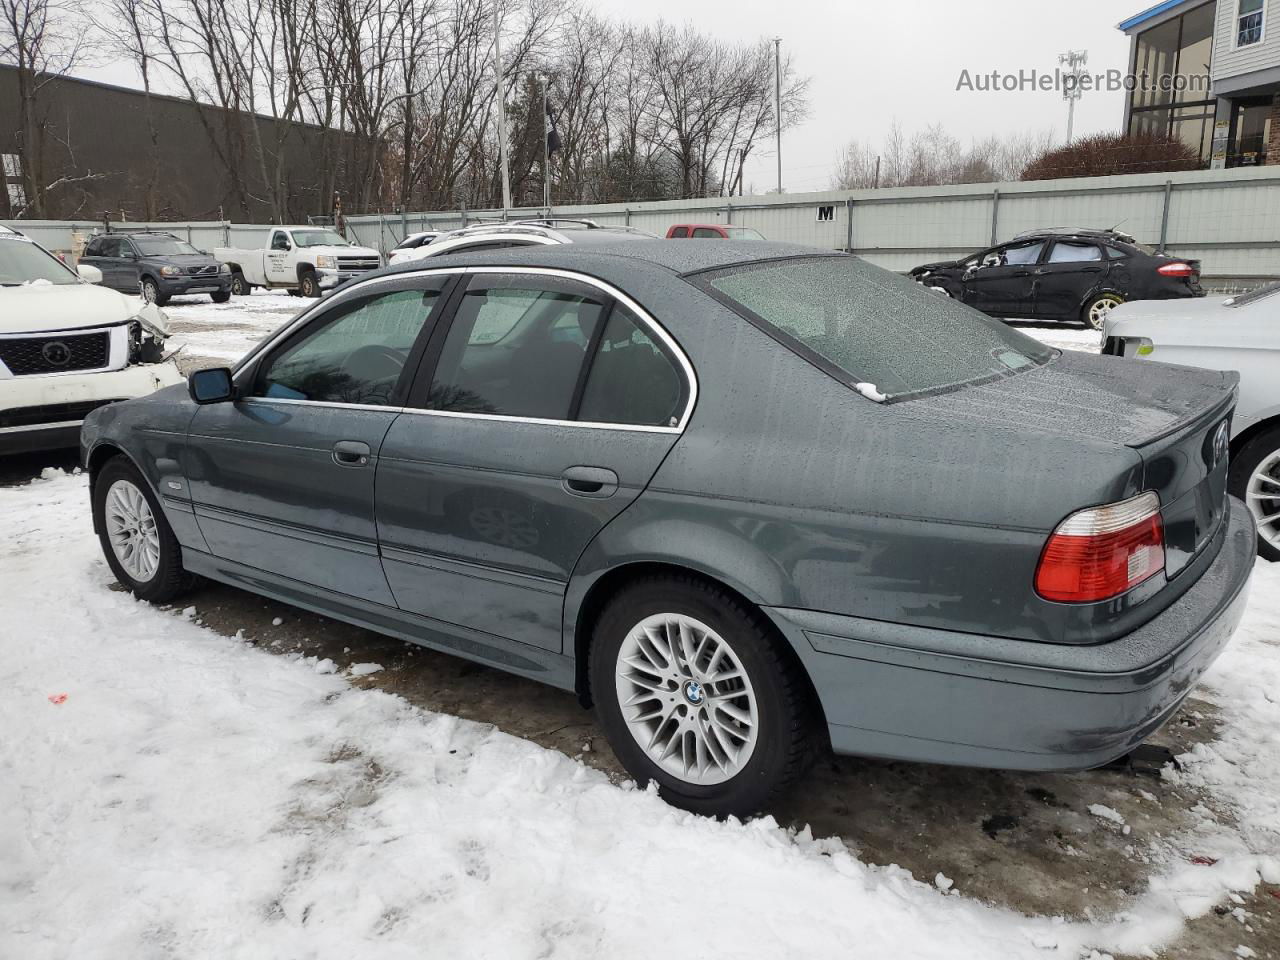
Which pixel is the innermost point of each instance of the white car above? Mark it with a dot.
(306, 261)
(548, 231)
(407, 248)
(1239, 333)
(68, 347)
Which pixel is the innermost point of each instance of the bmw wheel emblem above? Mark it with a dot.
(56, 353)
(694, 693)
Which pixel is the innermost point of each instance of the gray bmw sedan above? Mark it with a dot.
(745, 499)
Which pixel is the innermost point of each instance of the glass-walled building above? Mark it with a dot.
(1208, 73)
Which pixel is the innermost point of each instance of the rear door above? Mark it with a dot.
(283, 480)
(543, 408)
(1001, 283)
(1072, 269)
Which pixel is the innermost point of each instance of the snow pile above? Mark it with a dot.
(193, 796)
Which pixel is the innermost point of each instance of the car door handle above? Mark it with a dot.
(589, 482)
(1090, 269)
(350, 453)
(1019, 273)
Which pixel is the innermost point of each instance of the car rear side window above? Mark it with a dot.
(1074, 251)
(862, 324)
(706, 233)
(516, 348)
(355, 353)
(632, 380)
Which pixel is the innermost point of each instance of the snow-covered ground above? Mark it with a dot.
(171, 792)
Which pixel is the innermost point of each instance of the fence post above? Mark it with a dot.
(463, 208)
(848, 215)
(995, 215)
(226, 233)
(626, 216)
(1164, 217)
(728, 214)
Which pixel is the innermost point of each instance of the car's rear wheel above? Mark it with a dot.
(1096, 310)
(696, 693)
(150, 291)
(309, 285)
(136, 538)
(239, 285)
(1255, 478)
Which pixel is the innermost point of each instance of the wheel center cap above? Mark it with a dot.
(694, 693)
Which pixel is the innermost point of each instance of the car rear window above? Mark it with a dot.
(862, 324)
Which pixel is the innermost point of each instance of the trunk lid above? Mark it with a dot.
(1171, 416)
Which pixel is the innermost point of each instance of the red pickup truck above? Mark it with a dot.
(712, 231)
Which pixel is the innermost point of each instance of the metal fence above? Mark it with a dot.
(1228, 219)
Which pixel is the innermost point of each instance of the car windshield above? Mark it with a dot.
(319, 238)
(863, 324)
(1254, 295)
(22, 262)
(743, 233)
(162, 247)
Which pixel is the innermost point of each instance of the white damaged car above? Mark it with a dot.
(67, 347)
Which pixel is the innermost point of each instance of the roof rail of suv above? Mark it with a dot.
(553, 221)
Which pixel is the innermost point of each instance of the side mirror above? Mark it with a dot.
(89, 273)
(211, 386)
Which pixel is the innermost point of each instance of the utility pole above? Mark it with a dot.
(546, 150)
(1071, 91)
(502, 117)
(777, 101)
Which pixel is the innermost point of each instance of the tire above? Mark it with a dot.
(1094, 313)
(122, 502)
(1260, 457)
(710, 780)
(150, 291)
(222, 296)
(240, 287)
(309, 285)
(294, 292)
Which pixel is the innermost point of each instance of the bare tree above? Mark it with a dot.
(933, 157)
(44, 39)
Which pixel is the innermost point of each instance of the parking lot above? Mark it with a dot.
(1179, 856)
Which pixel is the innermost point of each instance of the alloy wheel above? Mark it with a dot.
(1262, 496)
(686, 698)
(131, 529)
(1099, 309)
(148, 291)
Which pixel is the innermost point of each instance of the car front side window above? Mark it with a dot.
(355, 353)
(1022, 254)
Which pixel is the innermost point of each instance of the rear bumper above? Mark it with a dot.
(45, 413)
(936, 696)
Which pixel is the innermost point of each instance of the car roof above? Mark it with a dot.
(1091, 232)
(614, 255)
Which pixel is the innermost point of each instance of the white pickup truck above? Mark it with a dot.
(304, 260)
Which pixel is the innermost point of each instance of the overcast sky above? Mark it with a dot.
(872, 62)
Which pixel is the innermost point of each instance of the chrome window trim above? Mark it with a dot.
(346, 292)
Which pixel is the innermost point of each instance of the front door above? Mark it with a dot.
(1072, 270)
(278, 266)
(283, 479)
(1000, 284)
(543, 409)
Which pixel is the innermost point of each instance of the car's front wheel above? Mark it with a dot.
(1254, 477)
(695, 692)
(1096, 310)
(150, 291)
(136, 538)
(222, 296)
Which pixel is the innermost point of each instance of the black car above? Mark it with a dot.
(158, 266)
(1062, 274)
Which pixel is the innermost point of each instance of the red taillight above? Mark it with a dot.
(1176, 270)
(1102, 552)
